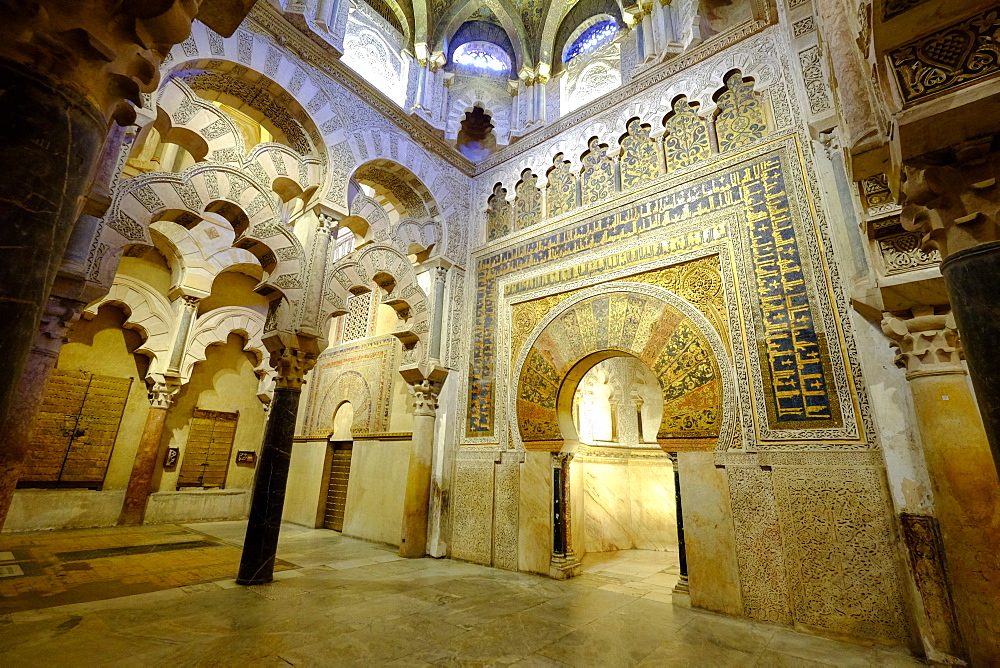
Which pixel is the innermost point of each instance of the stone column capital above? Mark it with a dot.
(58, 318)
(952, 197)
(425, 397)
(928, 343)
(440, 275)
(161, 392)
(291, 366)
(562, 458)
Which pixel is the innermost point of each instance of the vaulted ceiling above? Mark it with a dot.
(531, 25)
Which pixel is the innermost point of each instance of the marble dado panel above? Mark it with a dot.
(840, 550)
(754, 211)
(362, 373)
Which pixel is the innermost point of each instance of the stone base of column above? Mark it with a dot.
(563, 568)
(681, 593)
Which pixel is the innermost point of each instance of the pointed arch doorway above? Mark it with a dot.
(339, 453)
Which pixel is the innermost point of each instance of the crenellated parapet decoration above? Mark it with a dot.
(927, 342)
(109, 53)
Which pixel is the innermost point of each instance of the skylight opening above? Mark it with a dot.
(480, 56)
(592, 38)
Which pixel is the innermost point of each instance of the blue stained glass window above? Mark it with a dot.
(591, 38)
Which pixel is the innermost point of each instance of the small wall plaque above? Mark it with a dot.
(170, 460)
(247, 457)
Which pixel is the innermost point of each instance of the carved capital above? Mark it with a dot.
(952, 198)
(161, 391)
(57, 319)
(291, 367)
(425, 397)
(562, 458)
(927, 343)
(110, 53)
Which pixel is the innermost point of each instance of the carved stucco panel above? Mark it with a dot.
(472, 518)
(505, 517)
(840, 552)
(758, 542)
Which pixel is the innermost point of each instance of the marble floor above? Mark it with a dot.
(350, 602)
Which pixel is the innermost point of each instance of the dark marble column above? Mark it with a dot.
(137, 493)
(260, 547)
(564, 563)
(682, 584)
(973, 279)
(50, 143)
(59, 316)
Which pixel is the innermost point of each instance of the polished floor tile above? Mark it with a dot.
(347, 602)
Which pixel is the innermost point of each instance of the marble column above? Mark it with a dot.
(953, 198)
(966, 489)
(69, 69)
(682, 583)
(161, 395)
(418, 474)
(58, 318)
(260, 548)
(50, 143)
(564, 563)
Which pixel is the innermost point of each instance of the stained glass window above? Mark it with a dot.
(591, 38)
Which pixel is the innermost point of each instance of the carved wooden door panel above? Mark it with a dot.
(336, 495)
(75, 430)
(209, 445)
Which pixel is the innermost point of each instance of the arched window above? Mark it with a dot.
(482, 56)
(591, 38)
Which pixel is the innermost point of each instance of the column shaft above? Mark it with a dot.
(967, 504)
(260, 547)
(50, 142)
(973, 279)
(138, 490)
(418, 488)
(59, 316)
(682, 583)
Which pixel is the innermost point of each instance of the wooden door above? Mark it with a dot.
(336, 493)
(75, 430)
(209, 445)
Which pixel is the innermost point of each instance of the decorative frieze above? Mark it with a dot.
(959, 55)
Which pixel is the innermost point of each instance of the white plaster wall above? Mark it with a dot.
(306, 478)
(376, 489)
(42, 509)
(198, 506)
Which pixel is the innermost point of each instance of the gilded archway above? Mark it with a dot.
(648, 323)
